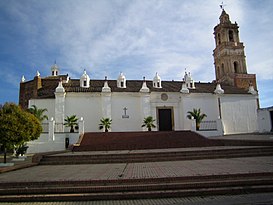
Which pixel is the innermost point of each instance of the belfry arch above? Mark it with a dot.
(236, 67)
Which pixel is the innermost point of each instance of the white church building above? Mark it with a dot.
(230, 101)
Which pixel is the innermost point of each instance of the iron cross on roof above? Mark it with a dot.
(222, 5)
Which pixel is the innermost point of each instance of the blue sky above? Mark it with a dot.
(137, 37)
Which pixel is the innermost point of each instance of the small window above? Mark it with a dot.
(218, 72)
(219, 38)
(230, 36)
(52, 72)
(122, 84)
(236, 67)
(158, 84)
(84, 83)
(222, 69)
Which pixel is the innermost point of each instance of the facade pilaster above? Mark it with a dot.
(106, 104)
(145, 106)
(51, 129)
(59, 107)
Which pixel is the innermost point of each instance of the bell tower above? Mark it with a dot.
(229, 55)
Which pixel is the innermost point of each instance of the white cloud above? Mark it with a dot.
(91, 34)
(137, 37)
(140, 28)
(258, 33)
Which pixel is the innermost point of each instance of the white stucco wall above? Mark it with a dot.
(207, 103)
(44, 144)
(132, 102)
(239, 114)
(264, 120)
(49, 104)
(86, 105)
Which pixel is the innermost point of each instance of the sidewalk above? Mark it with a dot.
(18, 164)
(253, 136)
(140, 170)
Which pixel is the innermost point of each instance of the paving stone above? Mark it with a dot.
(149, 170)
(141, 170)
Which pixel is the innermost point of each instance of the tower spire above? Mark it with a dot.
(229, 55)
(222, 6)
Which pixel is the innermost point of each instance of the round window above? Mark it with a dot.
(164, 97)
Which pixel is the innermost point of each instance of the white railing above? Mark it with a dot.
(58, 128)
(45, 127)
(208, 125)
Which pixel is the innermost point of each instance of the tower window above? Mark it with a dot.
(230, 36)
(236, 67)
(122, 84)
(158, 84)
(53, 73)
(84, 83)
(219, 39)
(218, 72)
(222, 69)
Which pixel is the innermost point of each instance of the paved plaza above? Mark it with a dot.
(116, 171)
(140, 170)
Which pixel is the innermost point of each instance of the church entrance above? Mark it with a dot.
(165, 119)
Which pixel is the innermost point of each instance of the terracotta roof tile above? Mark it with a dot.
(49, 84)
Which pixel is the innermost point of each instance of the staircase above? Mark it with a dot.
(159, 155)
(136, 188)
(132, 148)
(142, 140)
(101, 141)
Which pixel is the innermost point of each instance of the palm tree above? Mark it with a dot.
(197, 115)
(105, 123)
(149, 123)
(71, 122)
(38, 113)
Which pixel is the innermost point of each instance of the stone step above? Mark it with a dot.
(140, 181)
(136, 194)
(159, 190)
(156, 156)
(142, 140)
(98, 141)
(72, 188)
